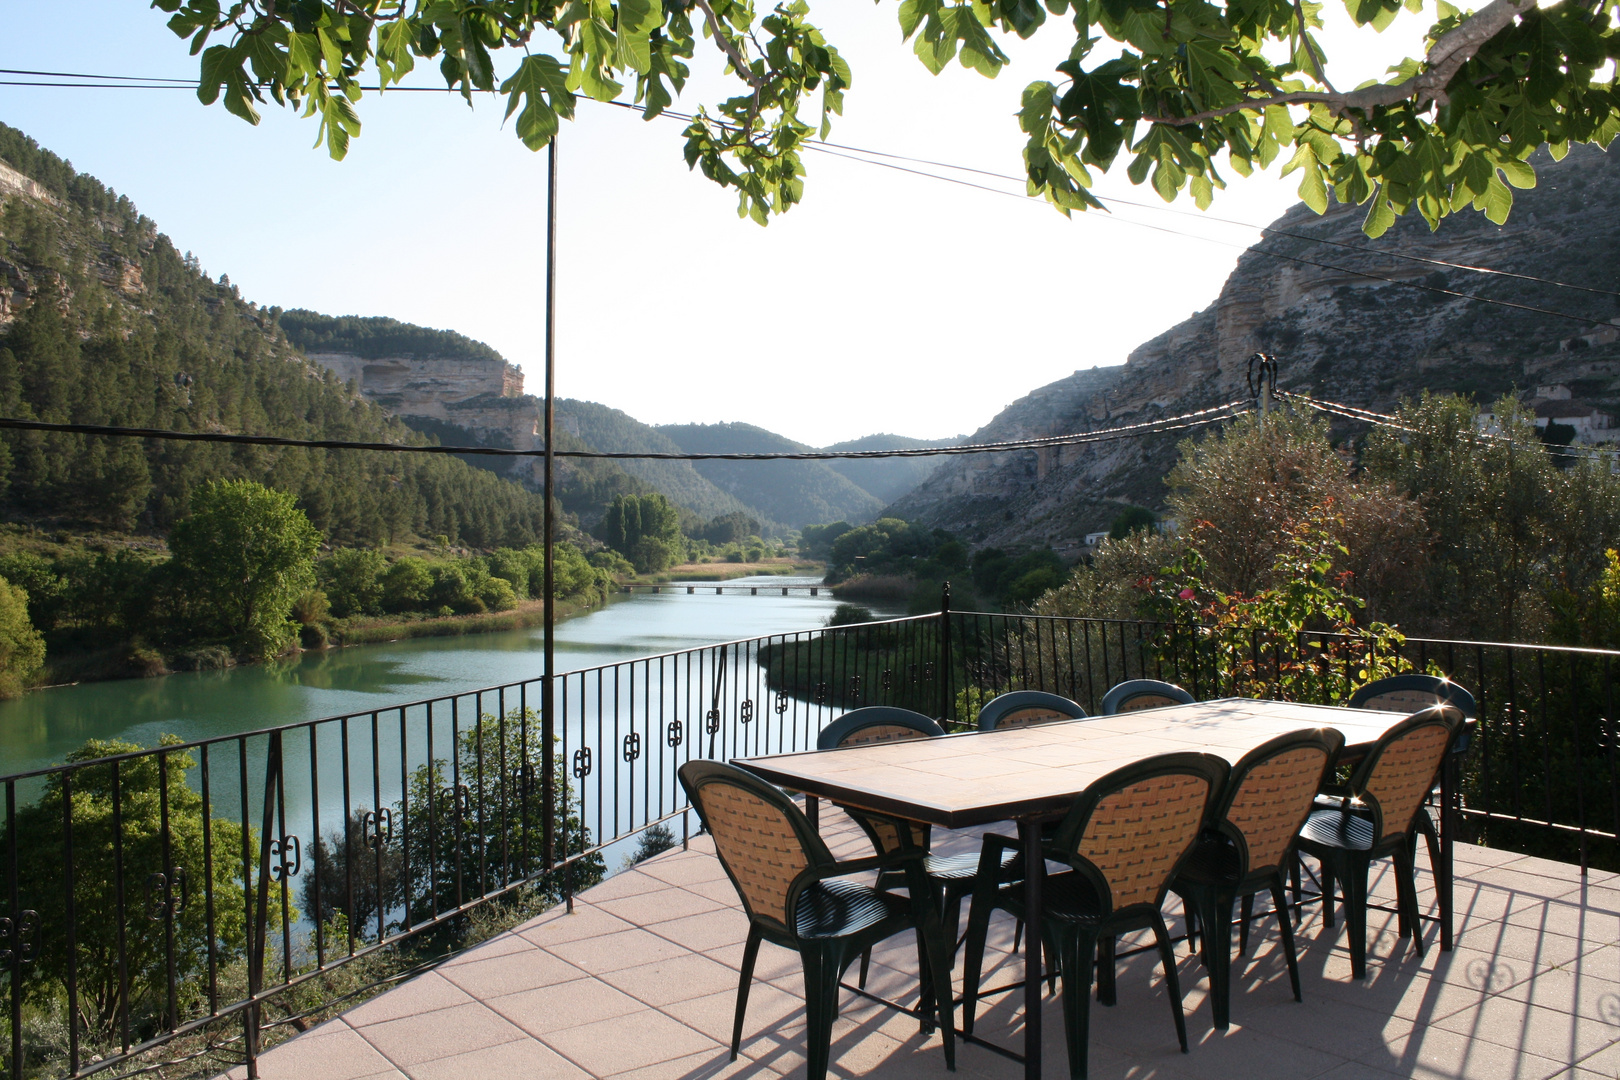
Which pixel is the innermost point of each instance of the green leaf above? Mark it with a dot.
(1380, 216)
(395, 42)
(1521, 174)
(1498, 201)
(1312, 190)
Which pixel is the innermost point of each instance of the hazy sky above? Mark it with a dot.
(886, 302)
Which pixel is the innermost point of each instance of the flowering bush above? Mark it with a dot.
(1297, 639)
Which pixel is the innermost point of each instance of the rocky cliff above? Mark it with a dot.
(1353, 320)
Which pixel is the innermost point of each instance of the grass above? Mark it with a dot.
(370, 630)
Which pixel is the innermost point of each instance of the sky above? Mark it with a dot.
(886, 302)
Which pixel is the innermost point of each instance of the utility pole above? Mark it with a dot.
(548, 720)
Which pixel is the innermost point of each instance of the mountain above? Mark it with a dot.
(797, 493)
(103, 321)
(886, 478)
(1367, 341)
(613, 431)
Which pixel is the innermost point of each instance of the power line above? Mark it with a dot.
(1183, 422)
(133, 82)
(1384, 420)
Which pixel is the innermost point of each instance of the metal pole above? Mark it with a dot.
(548, 601)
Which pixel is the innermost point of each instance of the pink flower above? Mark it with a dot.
(1185, 594)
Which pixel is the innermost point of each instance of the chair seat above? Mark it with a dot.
(1335, 829)
(1068, 898)
(961, 867)
(1212, 861)
(838, 908)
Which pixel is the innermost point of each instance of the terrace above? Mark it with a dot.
(433, 811)
(640, 982)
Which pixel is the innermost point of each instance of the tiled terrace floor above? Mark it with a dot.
(640, 982)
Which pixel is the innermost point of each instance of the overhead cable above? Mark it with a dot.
(135, 82)
(1182, 422)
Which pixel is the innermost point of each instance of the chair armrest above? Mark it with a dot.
(891, 861)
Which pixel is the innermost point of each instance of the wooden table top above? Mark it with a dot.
(975, 778)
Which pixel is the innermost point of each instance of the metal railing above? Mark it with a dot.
(154, 895)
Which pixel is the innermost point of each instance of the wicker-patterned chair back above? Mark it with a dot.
(1399, 771)
(762, 839)
(874, 724)
(1412, 694)
(1270, 794)
(1137, 694)
(1025, 708)
(1130, 829)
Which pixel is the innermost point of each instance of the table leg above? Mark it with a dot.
(1450, 775)
(1034, 877)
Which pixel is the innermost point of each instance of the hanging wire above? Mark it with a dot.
(1182, 422)
(865, 156)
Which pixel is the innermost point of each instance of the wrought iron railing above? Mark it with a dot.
(154, 896)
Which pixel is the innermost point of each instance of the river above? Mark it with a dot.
(40, 728)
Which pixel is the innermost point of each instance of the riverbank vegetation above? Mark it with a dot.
(648, 535)
(243, 579)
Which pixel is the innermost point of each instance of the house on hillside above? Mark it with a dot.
(1591, 425)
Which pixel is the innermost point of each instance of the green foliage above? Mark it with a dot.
(22, 649)
(352, 579)
(42, 861)
(1172, 88)
(816, 541)
(1005, 579)
(1132, 519)
(848, 615)
(1258, 644)
(646, 529)
(655, 840)
(245, 554)
(374, 338)
(147, 339)
(729, 528)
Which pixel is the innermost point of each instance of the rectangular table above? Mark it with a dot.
(1033, 774)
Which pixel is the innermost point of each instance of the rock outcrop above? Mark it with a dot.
(1354, 320)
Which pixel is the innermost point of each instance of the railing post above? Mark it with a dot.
(946, 699)
(258, 932)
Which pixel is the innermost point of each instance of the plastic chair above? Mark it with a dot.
(1143, 694)
(796, 895)
(1123, 840)
(1023, 708)
(1410, 694)
(950, 876)
(1256, 820)
(1374, 820)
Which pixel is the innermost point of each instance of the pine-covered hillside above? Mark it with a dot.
(797, 493)
(103, 321)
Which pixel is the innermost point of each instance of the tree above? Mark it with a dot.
(1191, 80)
(646, 529)
(1132, 519)
(242, 557)
(105, 993)
(22, 649)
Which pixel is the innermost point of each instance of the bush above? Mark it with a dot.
(22, 649)
(405, 586)
(848, 615)
(352, 580)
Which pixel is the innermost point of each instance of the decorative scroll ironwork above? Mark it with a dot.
(632, 746)
(582, 763)
(675, 734)
(287, 853)
(745, 711)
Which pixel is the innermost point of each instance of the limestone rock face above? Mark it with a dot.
(483, 397)
(1364, 322)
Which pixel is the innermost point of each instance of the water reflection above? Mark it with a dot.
(41, 728)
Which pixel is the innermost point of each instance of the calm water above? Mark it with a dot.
(41, 728)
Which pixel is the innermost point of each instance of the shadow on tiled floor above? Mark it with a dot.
(640, 982)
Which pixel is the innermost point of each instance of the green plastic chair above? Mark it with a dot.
(1136, 694)
(1023, 708)
(950, 876)
(1374, 820)
(797, 896)
(1123, 840)
(1255, 823)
